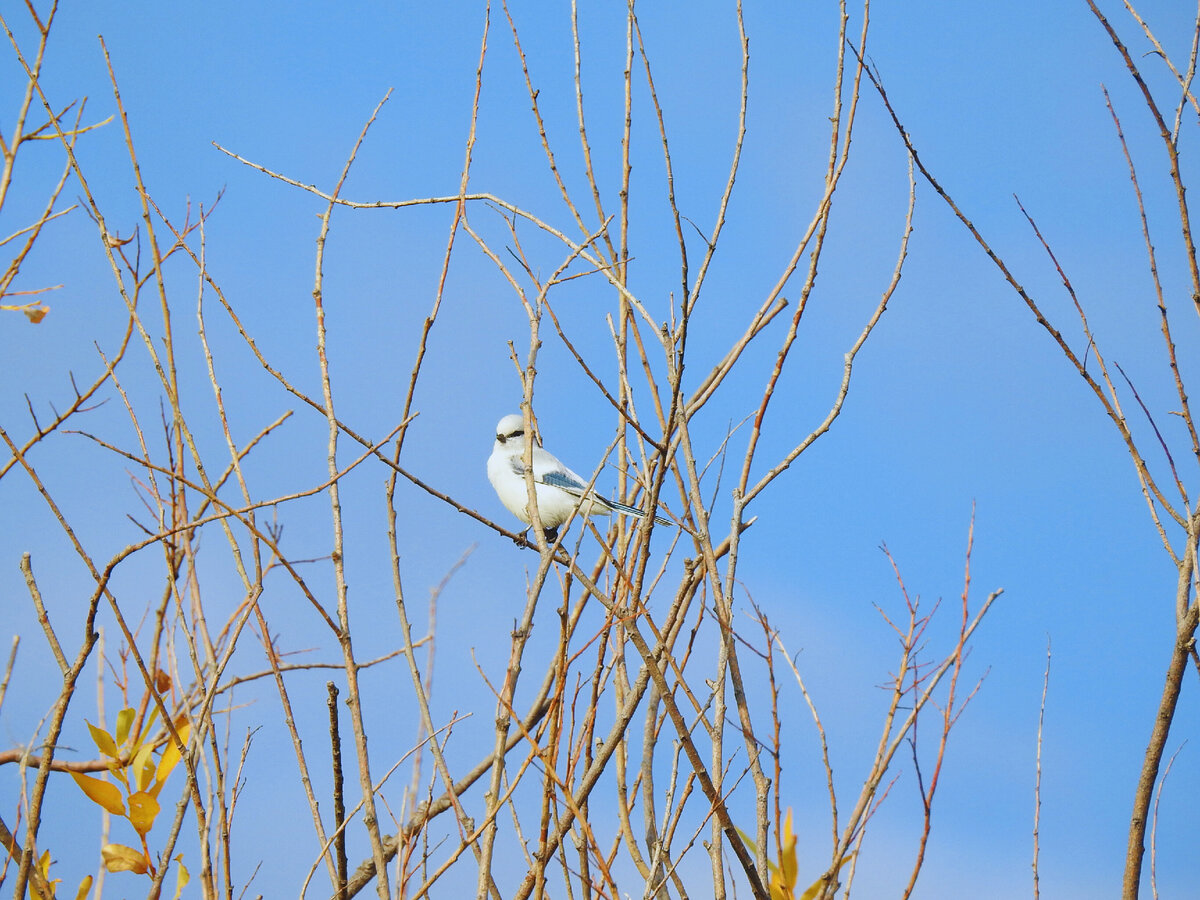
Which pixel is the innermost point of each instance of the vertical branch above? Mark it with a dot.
(420, 688)
(339, 802)
(896, 728)
(12, 659)
(1169, 145)
(1144, 792)
(585, 146)
(33, 75)
(70, 675)
(459, 213)
(1037, 784)
(541, 125)
(1152, 267)
(520, 636)
(825, 762)
(170, 376)
(353, 699)
(949, 716)
(651, 662)
(1154, 827)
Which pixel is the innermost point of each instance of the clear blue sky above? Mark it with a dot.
(959, 398)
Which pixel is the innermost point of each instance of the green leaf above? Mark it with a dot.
(104, 742)
(124, 720)
(102, 793)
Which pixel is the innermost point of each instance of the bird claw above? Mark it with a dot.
(522, 539)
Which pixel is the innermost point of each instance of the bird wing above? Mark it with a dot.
(548, 470)
(565, 480)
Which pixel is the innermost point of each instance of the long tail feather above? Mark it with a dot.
(632, 511)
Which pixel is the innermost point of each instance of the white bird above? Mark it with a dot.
(558, 490)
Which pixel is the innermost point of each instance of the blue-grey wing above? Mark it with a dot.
(549, 471)
(563, 479)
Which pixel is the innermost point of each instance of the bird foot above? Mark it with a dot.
(522, 539)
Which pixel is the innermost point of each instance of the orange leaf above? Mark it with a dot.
(119, 858)
(35, 314)
(102, 793)
(142, 811)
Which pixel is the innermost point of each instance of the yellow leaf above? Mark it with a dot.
(118, 771)
(124, 720)
(46, 888)
(104, 742)
(119, 858)
(35, 314)
(84, 887)
(753, 848)
(143, 767)
(142, 811)
(102, 793)
(147, 724)
(815, 888)
(787, 858)
(170, 755)
(181, 877)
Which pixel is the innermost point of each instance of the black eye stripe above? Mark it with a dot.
(512, 434)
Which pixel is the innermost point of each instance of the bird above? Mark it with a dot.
(558, 490)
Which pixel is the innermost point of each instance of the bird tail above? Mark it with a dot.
(634, 511)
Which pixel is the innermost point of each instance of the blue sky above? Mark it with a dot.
(959, 399)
